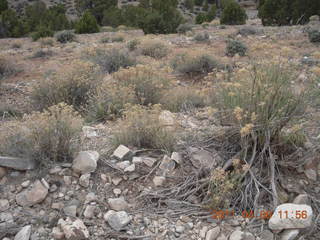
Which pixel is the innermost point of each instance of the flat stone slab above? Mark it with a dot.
(17, 163)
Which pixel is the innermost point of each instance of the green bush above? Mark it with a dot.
(112, 60)
(185, 27)
(212, 13)
(189, 4)
(314, 36)
(194, 65)
(3, 5)
(41, 32)
(202, 37)
(235, 47)
(87, 24)
(201, 18)
(65, 36)
(282, 12)
(233, 14)
(47, 137)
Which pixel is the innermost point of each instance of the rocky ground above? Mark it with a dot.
(107, 194)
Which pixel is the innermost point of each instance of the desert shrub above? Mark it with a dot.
(87, 24)
(314, 36)
(247, 30)
(185, 27)
(112, 60)
(42, 54)
(154, 48)
(202, 37)
(212, 13)
(133, 44)
(46, 42)
(189, 4)
(259, 105)
(7, 68)
(194, 64)
(233, 14)
(65, 36)
(9, 111)
(72, 86)
(136, 85)
(16, 45)
(117, 38)
(42, 32)
(182, 99)
(235, 47)
(49, 136)
(141, 127)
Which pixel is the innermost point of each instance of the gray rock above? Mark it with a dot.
(73, 230)
(24, 233)
(130, 168)
(89, 211)
(159, 180)
(122, 165)
(302, 199)
(290, 234)
(213, 233)
(284, 217)
(201, 158)
(117, 220)
(17, 163)
(70, 210)
(266, 235)
(122, 153)
(179, 229)
(118, 204)
(149, 161)
(84, 180)
(89, 132)
(4, 205)
(239, 235)
(33, 195)
(85, 162)
(175, 156)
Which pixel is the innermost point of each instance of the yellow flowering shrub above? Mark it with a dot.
(72, 86)
(51, 135)
(141, 127)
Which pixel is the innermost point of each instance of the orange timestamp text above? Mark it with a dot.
(249, 214)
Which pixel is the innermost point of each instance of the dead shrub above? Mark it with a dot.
(141, 127)
(7, 68)
(72, 86)
(50, 136)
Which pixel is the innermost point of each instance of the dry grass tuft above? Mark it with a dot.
(154, 48)
(141, 127)
(50, 136)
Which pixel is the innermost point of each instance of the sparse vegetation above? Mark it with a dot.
(42, 54)
(112, 60)
(72, 87)
(141, 127)
(41, 32)
(87, 24)
(48, 137)
(235, 47)
(202, 37)
(154, 48)
(6, 68)
(314, 36)
(182, 99)
(183, 28)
